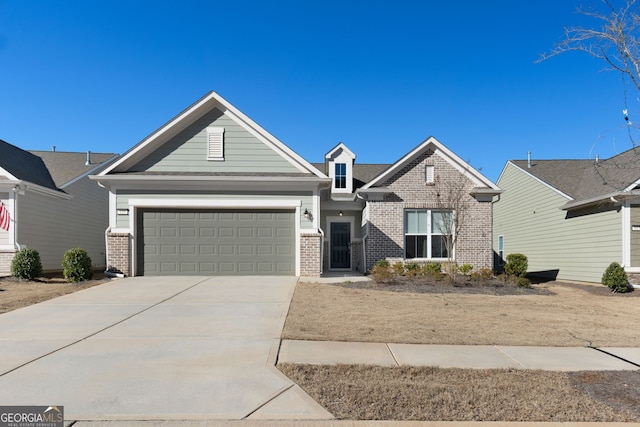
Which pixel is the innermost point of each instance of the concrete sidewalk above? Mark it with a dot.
(458, 356)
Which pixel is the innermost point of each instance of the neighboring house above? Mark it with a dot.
(571, 218)
(211, 192)
(52, 203)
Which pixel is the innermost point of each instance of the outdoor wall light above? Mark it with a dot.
(307, 214)
(340, 213)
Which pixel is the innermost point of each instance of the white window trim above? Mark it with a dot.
(215, 143)
(428, 233)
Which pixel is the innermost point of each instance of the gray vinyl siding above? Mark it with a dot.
(579, 244)
(122, 201)
(52, 225)
(187, 152)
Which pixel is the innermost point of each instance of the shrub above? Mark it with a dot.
(465, 269)
(76, 265)
(398, 268)
(382, 263)
(412, 269)
(482, 274)
(516, 265)
(433, 270)
(615, 278)
(523, 282)
(381, 273)
(26, 264)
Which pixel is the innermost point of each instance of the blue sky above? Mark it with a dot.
(379, 76)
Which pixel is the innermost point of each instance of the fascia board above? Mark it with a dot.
(11, 185)
(448, 155)
(535, 178)
(192, 113)
(343, 147)
(6, 173)
(633, 185)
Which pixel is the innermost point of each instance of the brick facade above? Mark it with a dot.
(310, 254)
(409, 191)
(5, 261)
(119, 250)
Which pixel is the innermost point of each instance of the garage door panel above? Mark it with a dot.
(217, 242)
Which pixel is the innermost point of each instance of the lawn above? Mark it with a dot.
(549, 314)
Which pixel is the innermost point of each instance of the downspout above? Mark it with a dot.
(16, 193)
(364, 238)
(321, 251)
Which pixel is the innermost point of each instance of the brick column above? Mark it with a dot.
(310, 255)
(119, 249)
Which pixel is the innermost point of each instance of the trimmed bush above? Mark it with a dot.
(516, 265)
(413, 269)
(26, 264)
(482, 274)
(76, 265)
(383, 263)
(465, 269)
(381, 272)
(523, 282)
(615, 278)
(398, 268)
(433, 269)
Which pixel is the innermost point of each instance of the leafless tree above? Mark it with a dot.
(615, 40)
(450, 217)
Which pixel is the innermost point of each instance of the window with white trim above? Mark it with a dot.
(215, 143)
(340, 177)
(426, 232)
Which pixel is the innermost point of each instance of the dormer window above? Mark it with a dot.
(341, 175)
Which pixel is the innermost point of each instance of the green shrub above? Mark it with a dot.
(76, 265)
(26, 264)
(523, 282)
(412, 269)
(482, 274)
(433, 269)
(465, 269)
(615, 278)
(382, 263)
(516, 265)
(398, 268)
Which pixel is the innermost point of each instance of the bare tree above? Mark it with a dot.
(615, 41)
(450, 217)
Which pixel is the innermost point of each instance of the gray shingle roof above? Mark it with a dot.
(25, 166)
(585, 179)
(65, 166)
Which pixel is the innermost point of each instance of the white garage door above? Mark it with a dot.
(216, 242)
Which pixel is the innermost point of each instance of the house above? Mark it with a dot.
(571, 218)
(211, 192)
(52, 204)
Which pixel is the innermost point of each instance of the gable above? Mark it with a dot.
(188, 151)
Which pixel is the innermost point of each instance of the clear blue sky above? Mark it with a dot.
(379, 76)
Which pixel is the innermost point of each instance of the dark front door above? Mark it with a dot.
(340, 245)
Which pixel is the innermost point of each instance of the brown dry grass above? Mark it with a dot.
(436, 394)
(15, 293)
(570, 315)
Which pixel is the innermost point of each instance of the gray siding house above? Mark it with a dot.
(211, 192)
(571, 218)
(52, 203)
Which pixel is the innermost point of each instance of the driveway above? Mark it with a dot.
(155, 348)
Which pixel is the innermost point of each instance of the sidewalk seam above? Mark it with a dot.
(508, 356)
(395, 360)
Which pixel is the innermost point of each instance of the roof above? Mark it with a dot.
(23, 165)
(585, 180)
(66, 166)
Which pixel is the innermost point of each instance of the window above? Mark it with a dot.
(429, 174)
(501, 250)
(215, 143)
(341, 175)
(426, 233)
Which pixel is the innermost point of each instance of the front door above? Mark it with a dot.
(340, 245)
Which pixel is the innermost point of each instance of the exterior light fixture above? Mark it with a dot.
(340, 213)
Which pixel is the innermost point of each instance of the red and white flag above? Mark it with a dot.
(5, 218)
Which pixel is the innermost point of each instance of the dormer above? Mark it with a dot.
(339, 166)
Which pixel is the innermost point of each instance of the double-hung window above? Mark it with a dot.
(341, 175)
(427, 232)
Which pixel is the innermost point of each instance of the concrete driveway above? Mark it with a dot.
(155, 348)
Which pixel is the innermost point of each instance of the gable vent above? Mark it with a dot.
(215, 143)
